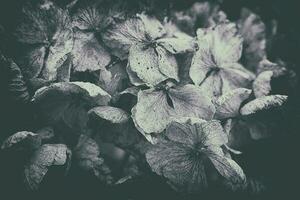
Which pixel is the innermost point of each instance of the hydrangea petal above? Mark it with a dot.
(235, 76)
(227, 44)
(263, 103)
(228, 105)
(22, 136)
(202, 61)
(253, 31)
(188, 101)
(180, 44)
(112, 114)
(153, 28)
(167, 63)
(46, 156)
(211, 133)
(152, 112)
(262, 84)
(144, 62)
(120, 37)
(172, 161)
(227, 167)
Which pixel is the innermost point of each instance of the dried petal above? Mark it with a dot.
(111, 114)
(253, 30)
(144, 62)
(21, 138)
(153, 28)
(228, 105)
(152, 112)
(188, 101)
(120, 37)
(46, 156)
(69, 102)
(16, 84)
(263, 103)
(262, 84)
(88, 53)
(87, 155)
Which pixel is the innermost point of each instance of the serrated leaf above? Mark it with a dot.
(263, 103)
(262, 84)
(46, 156)
(228, 105)
(111, 114)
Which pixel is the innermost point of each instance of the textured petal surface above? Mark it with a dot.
(188, 101)
(263, 103)
(88, 53)
(144, 62)
(228, 105)
(46, 156)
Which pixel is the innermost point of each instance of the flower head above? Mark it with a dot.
(184, 155)
(215, 64)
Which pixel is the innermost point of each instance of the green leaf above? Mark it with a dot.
(263, 103)
(46, 156)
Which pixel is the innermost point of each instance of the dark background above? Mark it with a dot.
(275, 159)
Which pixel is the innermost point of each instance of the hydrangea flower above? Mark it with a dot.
(186, 152)
(155, 108)
(150, 52)
(48, 34)
(215, 64)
